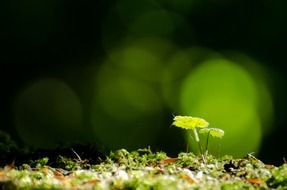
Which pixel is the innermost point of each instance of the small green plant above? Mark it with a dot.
(191, 123)
(214, 132)
(197, 125)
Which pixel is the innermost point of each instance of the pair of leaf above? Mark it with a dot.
(188, 122)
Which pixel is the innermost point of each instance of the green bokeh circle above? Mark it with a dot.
(225, 95)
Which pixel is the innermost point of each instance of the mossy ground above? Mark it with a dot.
(145, 170)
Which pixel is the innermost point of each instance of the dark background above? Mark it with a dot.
(64, 39)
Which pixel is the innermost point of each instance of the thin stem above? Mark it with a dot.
(197, 140)
(187, 146)
(200, 148)
(195, 135)
(78, 156)
(206, 146)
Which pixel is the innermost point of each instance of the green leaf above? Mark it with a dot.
(215, 132)
(188, 122)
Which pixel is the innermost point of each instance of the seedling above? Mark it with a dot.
(197, 125)
(214, 132)
(191, 123)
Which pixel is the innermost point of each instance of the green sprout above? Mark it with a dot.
(214, 132)
(197, 124)
(191, 123)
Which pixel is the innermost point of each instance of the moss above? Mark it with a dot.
(38, 163)
(279, 177)
(139, 158)
(146, 170)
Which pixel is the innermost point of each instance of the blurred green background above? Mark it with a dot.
(116, 72)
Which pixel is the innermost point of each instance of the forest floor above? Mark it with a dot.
(143, 170)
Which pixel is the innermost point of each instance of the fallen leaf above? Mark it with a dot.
(189, 178)
(168, 161)
(58, 175)
(256, 181)
(92, 181)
